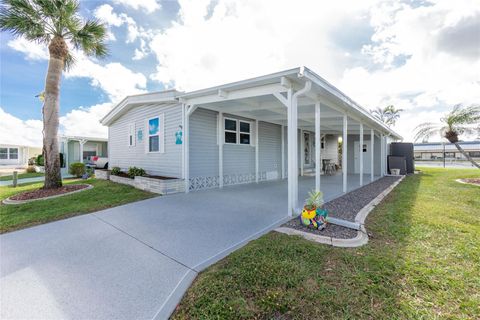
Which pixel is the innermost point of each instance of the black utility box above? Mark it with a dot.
(403, 149)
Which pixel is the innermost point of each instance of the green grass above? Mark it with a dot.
(22, 176)
(422, 262)
(105, 194)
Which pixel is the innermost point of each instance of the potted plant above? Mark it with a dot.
(312, 213)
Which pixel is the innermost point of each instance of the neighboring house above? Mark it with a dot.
(436, 150)
(82, 149)
(242, 132)
(17, 155)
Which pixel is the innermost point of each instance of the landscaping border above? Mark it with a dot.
(469, 183)
(10, 201)
(362, 235)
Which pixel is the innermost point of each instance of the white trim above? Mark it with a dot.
(221, 138)
(302, 151)
(283, 152)
(183, 142)
(361, 154)
(257, 171)
(344, 152)
(372, 146)
(318, 163)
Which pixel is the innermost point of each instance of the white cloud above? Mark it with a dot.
(86, 121)
(148, 6)
(21, 132)
(105, 13)
(32, 51)
(240, 39)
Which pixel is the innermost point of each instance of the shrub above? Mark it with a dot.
(40, 160)
(116, 171)
(77, 169)
(134, 171)
(32, 161)
(30, 169)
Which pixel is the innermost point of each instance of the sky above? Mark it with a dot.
(421, 56)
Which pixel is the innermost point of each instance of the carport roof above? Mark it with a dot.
(295, 78)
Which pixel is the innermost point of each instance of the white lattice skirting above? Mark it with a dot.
(203, 183)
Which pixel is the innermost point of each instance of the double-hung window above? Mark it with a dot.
(13, 153)
(3, 153)
(156, 130)
(237, 131)
(131, 134)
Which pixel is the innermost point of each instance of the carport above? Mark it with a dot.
(298, 100)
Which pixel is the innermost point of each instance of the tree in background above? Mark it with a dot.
(388, 115)
(461, 120)
(54, 23)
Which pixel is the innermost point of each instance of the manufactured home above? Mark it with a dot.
(13, 155)
(286, 127)
(81, 149)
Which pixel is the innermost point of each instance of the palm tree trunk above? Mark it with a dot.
(466, 155)
(51, 108)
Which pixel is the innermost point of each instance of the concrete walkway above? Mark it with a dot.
(135, 261)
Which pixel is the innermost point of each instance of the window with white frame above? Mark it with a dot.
(131, 134)
(13, 153)
(3, 153)
(155, 134)
(237, 131)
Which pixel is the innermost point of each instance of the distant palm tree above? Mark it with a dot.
(388, 115)
(53, 23)
(461, 120)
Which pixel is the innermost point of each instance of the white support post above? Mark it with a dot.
(291, 145)
(283, 152)
(344, 152)
(382, 162)
(257, 171)
(302, 152)
(318, 164)
(220, 149)
(295, 151)
(361, 154)
(183, 142)
(372, 146)
(186, 146)
(81, 142)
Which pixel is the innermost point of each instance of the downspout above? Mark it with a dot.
(295, 96)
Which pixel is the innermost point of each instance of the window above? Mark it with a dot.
(155, 134)
(244, 132)
(230, 131)
(237, 131)
(3, 153)
(13, 153)
(131, 134)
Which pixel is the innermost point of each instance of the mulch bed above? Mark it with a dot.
(125, 175)
(43, 193)
(472, 180)
(346, 207)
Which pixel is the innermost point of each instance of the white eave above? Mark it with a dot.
(130, 101)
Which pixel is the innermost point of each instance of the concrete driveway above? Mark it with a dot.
(130, 262)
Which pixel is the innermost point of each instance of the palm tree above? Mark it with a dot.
(388, 115)
(461, 120)
(53, 23)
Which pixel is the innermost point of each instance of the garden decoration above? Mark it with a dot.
(312, 214)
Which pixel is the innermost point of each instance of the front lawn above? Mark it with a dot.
(22, 176)
(422, 262)
(105, 194)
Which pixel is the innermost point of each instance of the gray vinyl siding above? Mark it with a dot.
(203, 144)
(124, 156)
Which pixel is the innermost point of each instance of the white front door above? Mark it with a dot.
(366, 156)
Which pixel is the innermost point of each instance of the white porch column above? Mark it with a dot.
(318, 164)
(382, 151)
(81, 142)
(361, 154)
(292, 130)
(344, 152)
(302, 152)
(186, 140)
(372, 146)
(220, 149)
(283, 153)
(257, 172)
